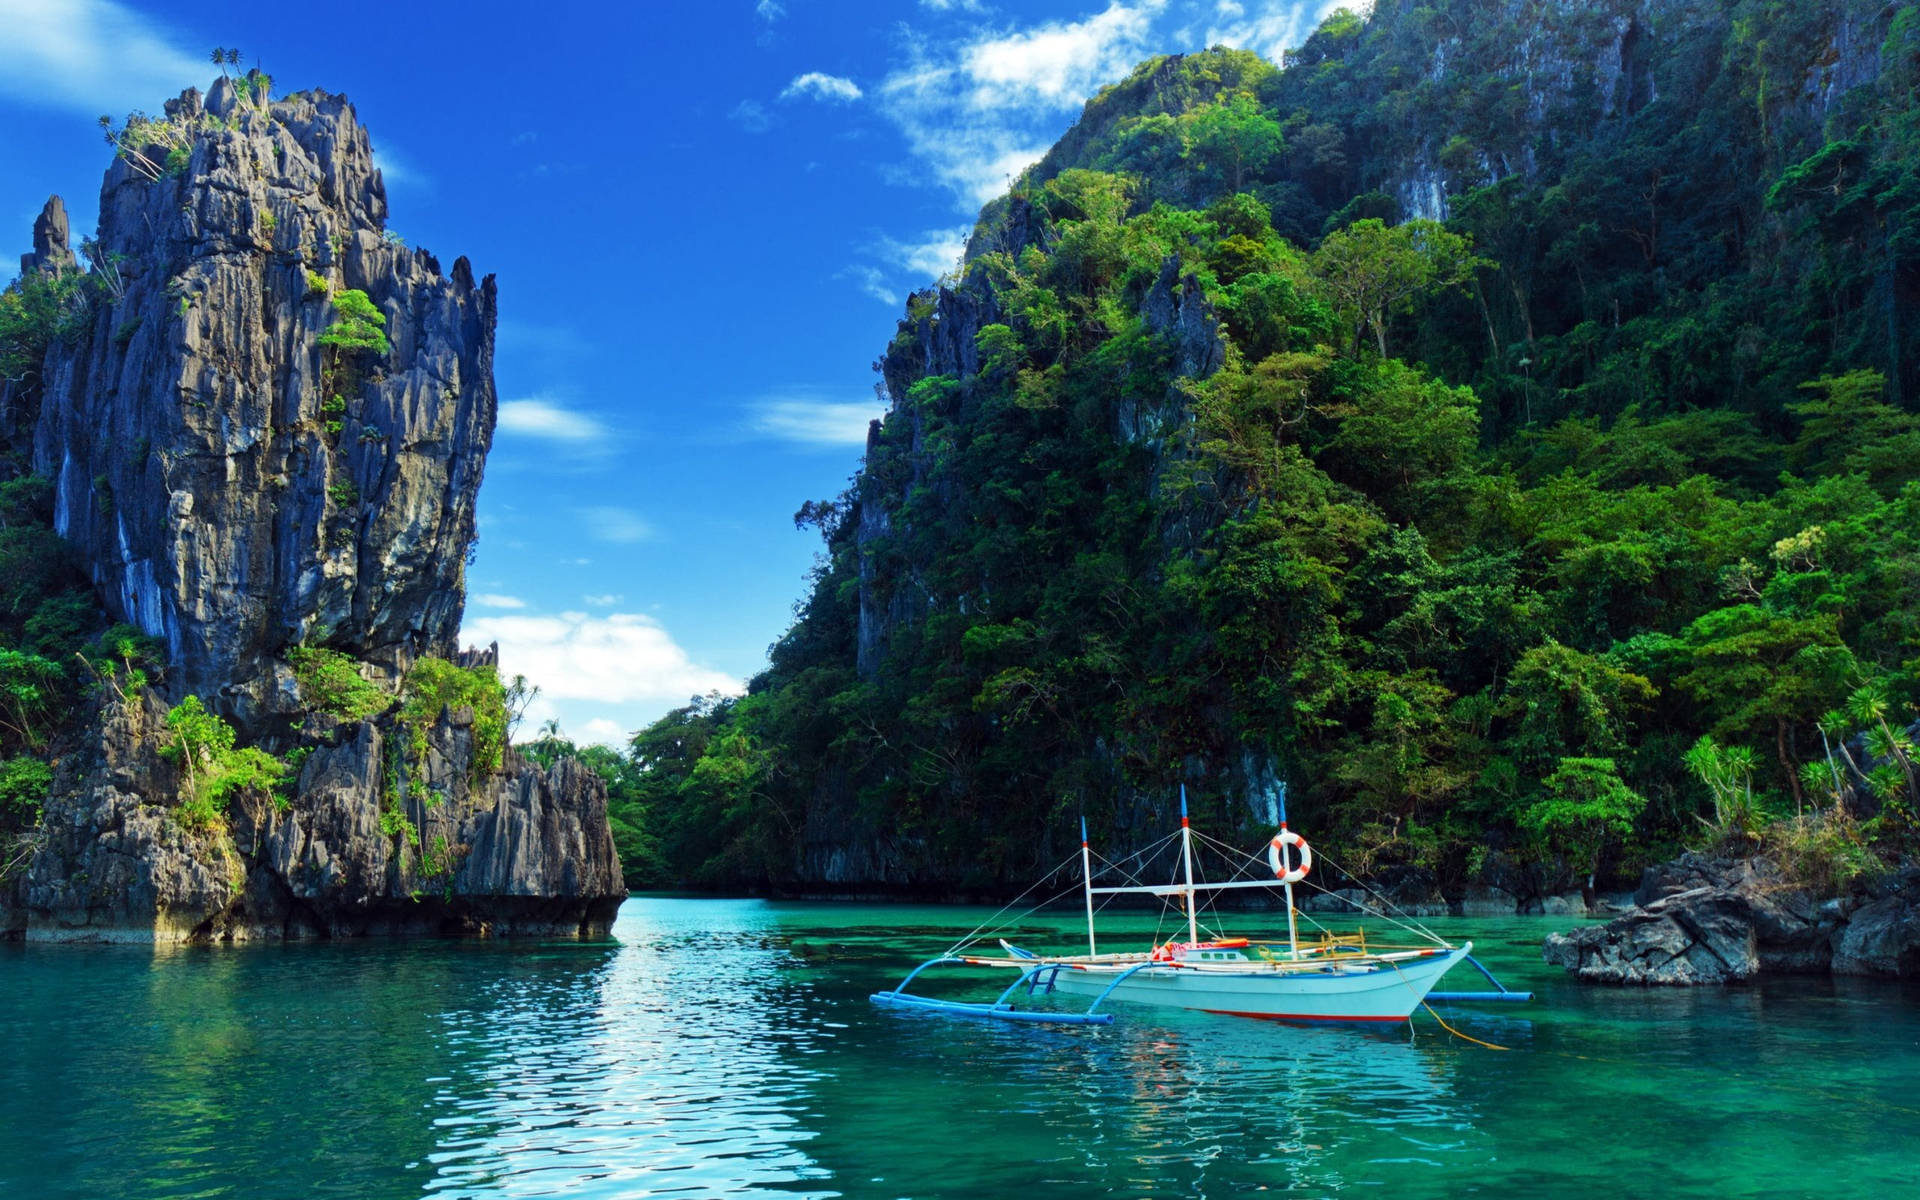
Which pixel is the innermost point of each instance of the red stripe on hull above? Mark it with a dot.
(1227, 1012)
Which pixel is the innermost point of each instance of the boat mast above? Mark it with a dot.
(1293, 928)
(1086, 875)
(1186, 850)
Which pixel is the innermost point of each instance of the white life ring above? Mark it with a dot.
(1277, 858)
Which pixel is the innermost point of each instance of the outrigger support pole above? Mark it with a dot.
(1116, 983)
(999, 1010)
(1086, 875)
(1504, 995)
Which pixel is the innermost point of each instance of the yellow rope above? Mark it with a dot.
(1436, 1016)
(1455, 1032)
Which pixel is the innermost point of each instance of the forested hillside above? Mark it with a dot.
(1497, 425)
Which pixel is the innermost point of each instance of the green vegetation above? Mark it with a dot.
(37, 310)
(212, 770)
(330, 682)
(361, 327)
(349, 341)
(1471, 531)
(434, 684)
(1585, 806)
(395, 823)
(23, 789)
(333, 413)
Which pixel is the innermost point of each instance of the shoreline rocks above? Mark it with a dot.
(522, 852)
(1704, 920)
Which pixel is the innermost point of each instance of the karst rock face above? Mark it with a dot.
(188, 437)
(237, 482)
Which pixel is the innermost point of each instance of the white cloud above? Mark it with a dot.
(549, 342)
(979, 111)
(602, 599)
(871, 280)
(92, 55)
(978, 101)
(818, 86)
(496, 600)
(601, 731)
(1274, 28)
(1058, 64)
(751, 116)
(398, 171)
(619, 525)
(936, 252)
(616, 659)
(769, 10)
(540, 417)
(814, 420)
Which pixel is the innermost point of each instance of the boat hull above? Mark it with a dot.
(1373, 992)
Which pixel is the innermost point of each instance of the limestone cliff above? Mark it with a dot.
(237, 479)
(1145, 510)
(192, 463)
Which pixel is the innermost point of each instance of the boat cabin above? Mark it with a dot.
(1226, 950)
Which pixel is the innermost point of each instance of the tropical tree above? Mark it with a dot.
(1233, 138)
(1586, 805)
(1728, 773)
(1373, 272)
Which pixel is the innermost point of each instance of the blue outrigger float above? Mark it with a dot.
(1338, 977)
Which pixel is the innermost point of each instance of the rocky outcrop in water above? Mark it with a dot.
(1705, 920)
(522, 851)
(238, 479)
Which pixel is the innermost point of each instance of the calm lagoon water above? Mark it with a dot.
(724, 1048)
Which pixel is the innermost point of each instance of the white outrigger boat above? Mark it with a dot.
(1335, 977)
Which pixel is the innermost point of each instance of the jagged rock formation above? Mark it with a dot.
(51, 241)
(192, 464)
(524, 851)
(235, 487)
(1702, 920)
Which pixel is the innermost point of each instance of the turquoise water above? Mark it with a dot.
(728, 1048)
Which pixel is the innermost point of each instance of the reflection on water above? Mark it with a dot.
(727, 1048)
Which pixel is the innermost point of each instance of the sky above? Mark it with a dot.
(705, 219)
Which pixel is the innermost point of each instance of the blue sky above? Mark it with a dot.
(705, 219)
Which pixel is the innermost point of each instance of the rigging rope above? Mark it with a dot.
(1031, 888)
(1410, 924)
(993, 922)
